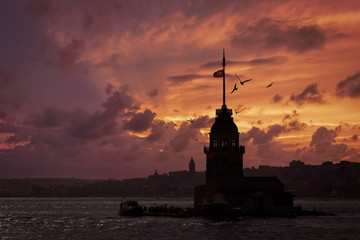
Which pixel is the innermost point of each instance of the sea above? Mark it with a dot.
(96, 218)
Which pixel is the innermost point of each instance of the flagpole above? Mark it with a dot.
(223, 64)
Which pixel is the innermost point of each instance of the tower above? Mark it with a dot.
(226, 188)
(224, 156)
(192, 166)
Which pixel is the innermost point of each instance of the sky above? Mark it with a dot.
(107, 89)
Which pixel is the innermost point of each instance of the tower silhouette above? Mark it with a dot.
(225, 184)
(192, 166)
(224, 156)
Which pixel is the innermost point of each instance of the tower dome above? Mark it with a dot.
(224, 123)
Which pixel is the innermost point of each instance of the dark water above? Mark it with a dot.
(94, 218)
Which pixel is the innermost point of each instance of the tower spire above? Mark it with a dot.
(223, 64)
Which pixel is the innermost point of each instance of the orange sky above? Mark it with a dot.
(104, 89)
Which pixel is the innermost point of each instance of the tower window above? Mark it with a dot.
(214, 143)
(223, 143)
(233, 143)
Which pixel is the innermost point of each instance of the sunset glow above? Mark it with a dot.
(119, 89)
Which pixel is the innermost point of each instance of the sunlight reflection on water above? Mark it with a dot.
(97, 219)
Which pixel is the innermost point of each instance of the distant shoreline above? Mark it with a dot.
(328, 180)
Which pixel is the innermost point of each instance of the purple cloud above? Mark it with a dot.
(276, 98)
(153, 93)
(355, 138)
(310, 94)
(98, 124)
(254, 62)
(271, 34)
(350, 87)
(185, 78)
(51, 117)
(141, 121)
(259, 136)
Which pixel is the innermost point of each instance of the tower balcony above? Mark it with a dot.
(224, 149)
(223, 111)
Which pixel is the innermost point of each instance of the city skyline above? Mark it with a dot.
(117, 89)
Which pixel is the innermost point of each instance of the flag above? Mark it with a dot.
(219, 73)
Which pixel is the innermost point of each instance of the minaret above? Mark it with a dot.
(224, 156)
(192, 166)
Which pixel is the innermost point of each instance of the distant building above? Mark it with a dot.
(184, 175)
(225, 183)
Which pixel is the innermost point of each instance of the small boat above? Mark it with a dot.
(130, 208)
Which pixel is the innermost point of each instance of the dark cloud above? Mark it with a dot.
(290, 116)
(101, 14)
(157, 131)
(187, 133)
(259, 136)
(322, 139)
(64, 57)
(120, 101)
(217, 64)
(16, 139)
(276, 98)
(261, 147)
(83, 27)
(81, 142)
(153, 93)
(94, 17)
(37, 8)
(69, 54)
(254, 62)
(271, 60)
(98, 124)
(271, 34)
(291, 122)
(94, 144)
(109, 89)
(7, 77)
(185, 78)
(350, 87)
(296, 125)
(182, 140)
(310, 94)
(271, 152)
(11, 97)
(161, 132)
(51, 117)
(202, 122)
(114, 60)
(141, 121)
(2, 114)
(323, 147)
(355, 138)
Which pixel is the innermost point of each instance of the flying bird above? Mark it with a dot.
(235, 88)
(269, 85)
(190, 120)
(174, 123)
(242, 82)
